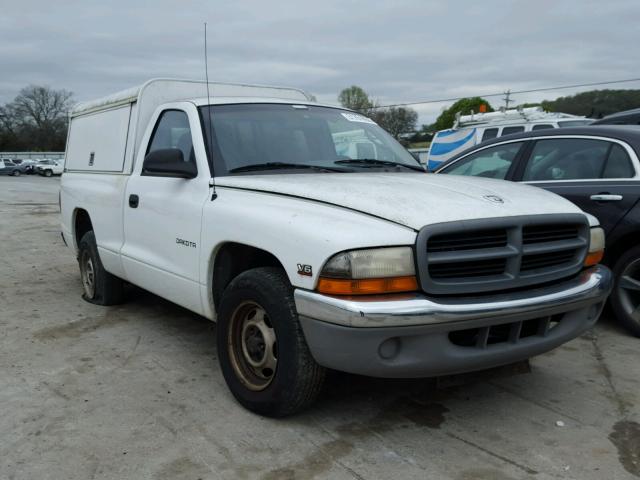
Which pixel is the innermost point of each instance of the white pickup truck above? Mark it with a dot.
(316, 241)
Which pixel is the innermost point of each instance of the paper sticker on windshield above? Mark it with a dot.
(356, 117)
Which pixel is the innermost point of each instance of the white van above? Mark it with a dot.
(469, 130)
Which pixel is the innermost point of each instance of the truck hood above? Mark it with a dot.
(410, 199)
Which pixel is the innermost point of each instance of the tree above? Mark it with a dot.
(396, 120)
(465, 106)
(355, 98)
(35, 120)
(595, 103)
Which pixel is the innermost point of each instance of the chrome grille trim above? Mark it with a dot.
(493, 254)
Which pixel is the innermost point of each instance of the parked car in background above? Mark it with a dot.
(49, 168)
(7, 167)
(597, 168)
(470, 130)
(628, 117)
(25, 166)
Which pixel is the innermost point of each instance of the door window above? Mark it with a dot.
(618, 164)
(510, 130)
(172, 131)
(492, 162)
(566, 159)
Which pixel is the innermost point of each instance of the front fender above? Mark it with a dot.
(295, 231)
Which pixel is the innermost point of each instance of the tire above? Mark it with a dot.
(296, 379)
(16, 173)
(48, 173)
(100, 287)
(625, 297)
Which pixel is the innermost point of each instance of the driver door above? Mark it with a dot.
(163, 213)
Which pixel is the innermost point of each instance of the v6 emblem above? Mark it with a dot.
(305, 270)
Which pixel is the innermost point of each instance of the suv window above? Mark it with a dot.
(489, 133)
(510, 130)
(542, 126)
(172, 131)
(492, 162)
(618, 164)
(566, 159)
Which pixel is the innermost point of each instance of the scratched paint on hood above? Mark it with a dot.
(410, 199)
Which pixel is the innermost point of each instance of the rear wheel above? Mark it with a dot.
(48, 173)
(261, 347)
(625, 298)
(16, 173)
(100, 287)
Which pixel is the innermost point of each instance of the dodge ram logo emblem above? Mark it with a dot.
(493, 198)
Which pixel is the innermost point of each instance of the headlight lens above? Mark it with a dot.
(371, 263)
(596, 247)
(369, 271)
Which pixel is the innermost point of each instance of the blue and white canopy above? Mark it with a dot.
(448, 143)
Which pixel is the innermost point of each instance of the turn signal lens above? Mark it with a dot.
(596, 247)
(368, 286)
(593, 258)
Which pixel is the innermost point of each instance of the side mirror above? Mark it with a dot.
(168, 162)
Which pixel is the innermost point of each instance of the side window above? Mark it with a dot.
(566, 159)
(618, 164)
(541, 126)
(510, 130)
(489, 133)
(172, 131)
(492, 162)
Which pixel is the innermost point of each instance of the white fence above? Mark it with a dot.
(32, 155)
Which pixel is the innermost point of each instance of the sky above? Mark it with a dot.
(398, 51)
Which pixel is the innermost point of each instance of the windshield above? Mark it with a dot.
(304, 138)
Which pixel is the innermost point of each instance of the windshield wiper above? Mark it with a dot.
(373, 162)
(278, 165)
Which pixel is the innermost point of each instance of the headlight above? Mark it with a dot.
(596, 247)
(369, 271)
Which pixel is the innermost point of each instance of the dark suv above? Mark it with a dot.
(597, 168)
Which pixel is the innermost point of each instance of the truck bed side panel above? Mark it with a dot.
(102, 197)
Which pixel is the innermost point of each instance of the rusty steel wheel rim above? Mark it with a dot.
(88, 274)
(252, 346)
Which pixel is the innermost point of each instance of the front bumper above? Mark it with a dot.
(419, 336)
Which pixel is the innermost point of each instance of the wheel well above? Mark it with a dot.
(82, 224)
(624, 243)
(234, 258)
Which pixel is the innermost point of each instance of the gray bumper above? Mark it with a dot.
(417, 336)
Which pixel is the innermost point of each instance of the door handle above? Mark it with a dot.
(133, 201)
(606, 197)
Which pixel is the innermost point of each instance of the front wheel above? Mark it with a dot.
(262, 351)
(16, 173)
(48, 173)
(625, 298)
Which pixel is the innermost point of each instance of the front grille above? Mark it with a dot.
(467, 269)
(497, 254)
(467, 241)
(546, 260)
(513, 332)
(546, 233)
